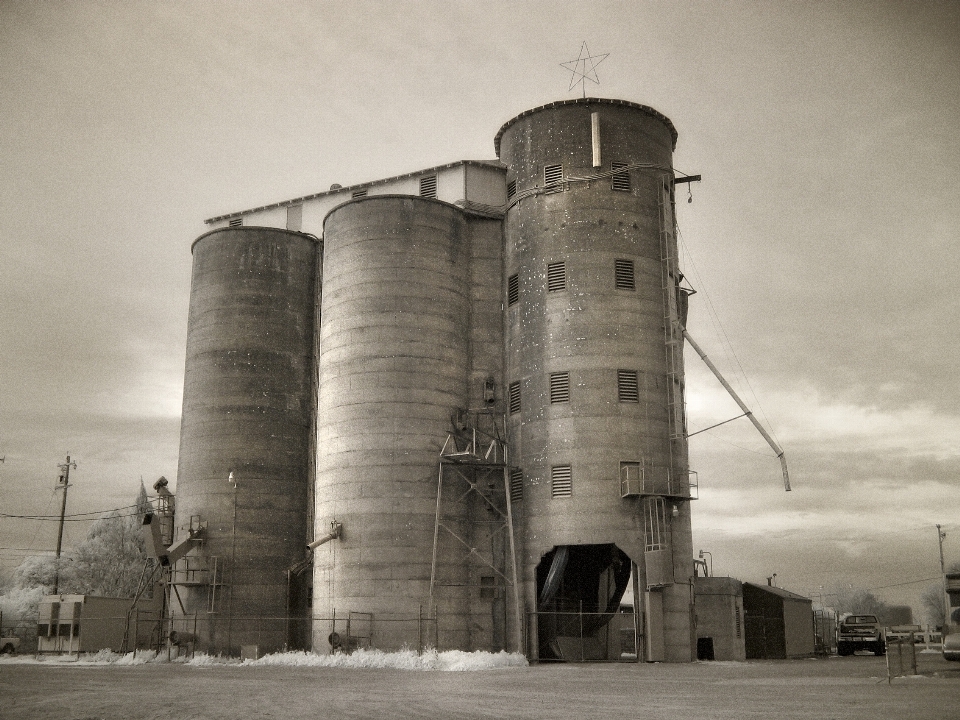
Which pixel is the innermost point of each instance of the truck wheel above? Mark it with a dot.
(879, 649)
(8, 648)
(844, 649)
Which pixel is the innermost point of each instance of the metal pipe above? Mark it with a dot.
(517, 609)
(336, 529)
(746, 410)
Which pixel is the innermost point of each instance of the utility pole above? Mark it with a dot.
(65, 483)
(943, 578)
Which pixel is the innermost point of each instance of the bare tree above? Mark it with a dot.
(108, 562)
(111, 558)
(934, 603)
(932, 600)
(859, 601)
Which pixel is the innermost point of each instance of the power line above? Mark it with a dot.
(92, 515)
(68, 518)
(912, 582)
(71, 515)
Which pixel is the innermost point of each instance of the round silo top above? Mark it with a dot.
(588, 101)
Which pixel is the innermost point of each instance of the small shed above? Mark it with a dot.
(719, 613)
(86, 623)
(779, 623)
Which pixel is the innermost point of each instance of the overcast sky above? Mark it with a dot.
(822, 241)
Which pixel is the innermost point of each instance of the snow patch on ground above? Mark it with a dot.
(447, 661)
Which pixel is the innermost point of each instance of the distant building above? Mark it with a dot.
(86, 623)
(720, 619)
(897, 615)
(779, 623)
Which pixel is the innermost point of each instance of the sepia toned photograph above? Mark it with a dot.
(460, 359)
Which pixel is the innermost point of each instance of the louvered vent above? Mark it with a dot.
(627, 388)
(513, 289)
(236, 222)
(511, 189)
(428, 186)
(621, 180)
(556, 277)
(561, 481)
(623, 270)
(552, 174)
(516, 485)
(560, 387)
(361, 193)
(514, 393)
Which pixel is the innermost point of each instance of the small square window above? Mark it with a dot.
(621, 180)
(624, 275)
(513, 289)
(514, 397)
(294, 217)
(556, 277)
(631, 479)
(561, 481)
(428, 186)
(559, 387)
(628, 390)
(488, 587)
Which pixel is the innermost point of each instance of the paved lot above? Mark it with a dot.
(848, 688)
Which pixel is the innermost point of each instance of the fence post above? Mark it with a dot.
(913, 654)
(887, 657)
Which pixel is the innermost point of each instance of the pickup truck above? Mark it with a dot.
(860, 632)
(9, 644)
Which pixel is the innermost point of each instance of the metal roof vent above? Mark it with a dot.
(428, 186)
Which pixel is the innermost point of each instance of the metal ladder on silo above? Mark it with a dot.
(673, 332)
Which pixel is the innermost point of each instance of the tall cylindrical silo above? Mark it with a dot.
(595, 373)
(246, 443)
(394, 343)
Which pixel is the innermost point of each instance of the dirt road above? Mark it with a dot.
(849, 688)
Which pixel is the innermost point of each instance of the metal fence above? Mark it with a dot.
(586, 636)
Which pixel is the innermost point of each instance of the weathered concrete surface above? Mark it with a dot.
(394, 367)
(853, 688)
(580, 321)
(247, 411)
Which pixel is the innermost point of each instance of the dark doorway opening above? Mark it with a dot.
(579, 589)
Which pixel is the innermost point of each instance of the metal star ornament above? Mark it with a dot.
(584, 68)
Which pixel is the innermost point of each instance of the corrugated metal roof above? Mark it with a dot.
(779, 591)
(496, 164)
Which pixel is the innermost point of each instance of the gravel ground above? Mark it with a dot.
(849, 688)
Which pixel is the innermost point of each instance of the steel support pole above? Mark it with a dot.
(746, 410)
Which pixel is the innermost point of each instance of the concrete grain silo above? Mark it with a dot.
(246, 448)
(394, 366)
(487, 448)
(595, 375)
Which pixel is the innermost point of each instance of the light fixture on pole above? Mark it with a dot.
(706, 552)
